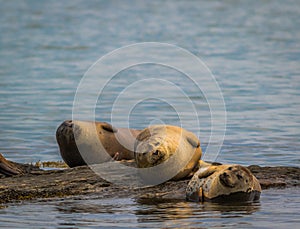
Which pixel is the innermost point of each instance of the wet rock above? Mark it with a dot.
(276, 177)
(34, 183)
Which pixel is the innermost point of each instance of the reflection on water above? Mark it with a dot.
(90, 211)
(186, 214)
(126, 212)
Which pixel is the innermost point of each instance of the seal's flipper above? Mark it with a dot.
(6, 168)
(108, 127)
(192, 139)
(206, 169)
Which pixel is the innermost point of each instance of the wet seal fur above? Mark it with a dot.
(7, 168)
(218, 183)
(10, 168)
(158, 143)
(116, 143)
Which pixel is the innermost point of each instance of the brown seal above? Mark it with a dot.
(82, 142)
(159, 143)
(8, 168)
(217, 182)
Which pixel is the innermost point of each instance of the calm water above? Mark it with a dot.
(252, 48)
(278, 209)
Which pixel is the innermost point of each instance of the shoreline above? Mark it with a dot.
(60, 183)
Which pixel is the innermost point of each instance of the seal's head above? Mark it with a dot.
(154, 147)
(67, 144)
(159, 143)
(236, 177)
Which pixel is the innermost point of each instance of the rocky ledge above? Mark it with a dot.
(38, 183)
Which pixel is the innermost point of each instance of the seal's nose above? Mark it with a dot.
(65, 131)
(68, 123)
(64, 127)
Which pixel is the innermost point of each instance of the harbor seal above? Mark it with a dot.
(8, 168)
(179, 148)
(95, 147)
(217, 183)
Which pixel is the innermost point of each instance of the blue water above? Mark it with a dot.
(127, 213)
(251, 47)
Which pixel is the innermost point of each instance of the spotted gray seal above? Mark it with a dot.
(216, 182)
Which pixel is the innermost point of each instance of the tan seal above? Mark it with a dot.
(83, 142)
(216, 182)
(160, 143)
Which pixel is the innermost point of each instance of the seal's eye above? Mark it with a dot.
(239, 176)
(156, 152)
(230, 168)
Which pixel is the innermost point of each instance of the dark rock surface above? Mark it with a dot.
(34, 183)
